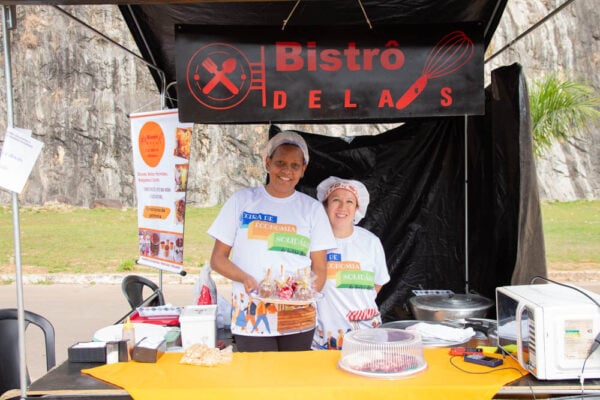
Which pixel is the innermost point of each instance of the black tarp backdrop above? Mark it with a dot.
(514, 175)
(415, 176)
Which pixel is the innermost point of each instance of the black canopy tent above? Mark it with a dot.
(151, 23)
(401, 202)
(415, 173)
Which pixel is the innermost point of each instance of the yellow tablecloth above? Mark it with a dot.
(302, 375)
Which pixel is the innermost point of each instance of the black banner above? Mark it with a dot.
(249, 74)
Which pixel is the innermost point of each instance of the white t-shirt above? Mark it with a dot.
(267, 232)
(348, 303)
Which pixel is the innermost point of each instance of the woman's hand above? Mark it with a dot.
(250, 283)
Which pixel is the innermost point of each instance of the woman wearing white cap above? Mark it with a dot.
(272, 228)
(356, 269)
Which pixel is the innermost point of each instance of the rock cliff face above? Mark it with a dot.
(567, 44)
(74, 90)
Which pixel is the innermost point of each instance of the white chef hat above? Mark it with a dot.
(325, 188)
(287, 137)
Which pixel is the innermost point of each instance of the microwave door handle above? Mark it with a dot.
(520, 309)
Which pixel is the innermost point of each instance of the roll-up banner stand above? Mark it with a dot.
(161, 153)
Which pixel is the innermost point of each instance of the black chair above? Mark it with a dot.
(9, 346)
(133, 288)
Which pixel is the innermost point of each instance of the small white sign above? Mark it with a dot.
(19, 154)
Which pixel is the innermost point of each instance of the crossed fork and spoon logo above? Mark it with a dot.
(220, 75)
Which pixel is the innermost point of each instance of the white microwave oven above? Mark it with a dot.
(550, 329)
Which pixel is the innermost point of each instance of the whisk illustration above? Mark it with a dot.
(449, 55)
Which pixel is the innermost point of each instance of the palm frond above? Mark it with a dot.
(559, 108)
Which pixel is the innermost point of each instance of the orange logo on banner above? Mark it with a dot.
(151, 143)
(156, 212)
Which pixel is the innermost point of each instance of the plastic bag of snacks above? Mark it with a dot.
(205, 289)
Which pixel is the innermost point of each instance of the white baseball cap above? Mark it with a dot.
(329, 185)
(287, 137)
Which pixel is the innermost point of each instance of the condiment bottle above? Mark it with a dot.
(129, 336)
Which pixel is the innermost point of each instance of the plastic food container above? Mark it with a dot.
(198, 325)
(382, 353)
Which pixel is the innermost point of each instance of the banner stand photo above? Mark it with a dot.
(161, 153)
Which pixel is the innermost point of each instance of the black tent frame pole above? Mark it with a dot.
(9, 16)
(164, 87)
(530, 29)
(466, 172)
(160, 72)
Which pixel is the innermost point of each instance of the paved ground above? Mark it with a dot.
(79, 305)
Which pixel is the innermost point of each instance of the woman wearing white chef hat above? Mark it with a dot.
(356, 269)
(272, 228)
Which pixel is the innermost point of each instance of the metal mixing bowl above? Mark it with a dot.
(449, 307)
